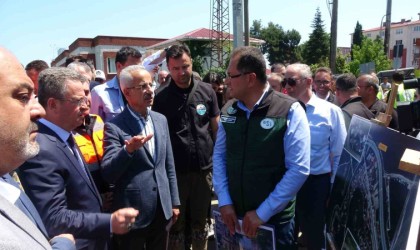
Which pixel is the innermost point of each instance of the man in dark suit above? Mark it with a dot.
(138, 160)
(56, 179)
(20, 225)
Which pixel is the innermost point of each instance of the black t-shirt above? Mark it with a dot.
(189, 124)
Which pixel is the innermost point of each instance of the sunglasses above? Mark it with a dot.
(291, 81)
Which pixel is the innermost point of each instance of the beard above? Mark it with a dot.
(28, 147)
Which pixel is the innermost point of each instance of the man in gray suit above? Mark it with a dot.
(20, 224)
(138, 160)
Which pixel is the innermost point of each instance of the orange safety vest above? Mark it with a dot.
(90, 142)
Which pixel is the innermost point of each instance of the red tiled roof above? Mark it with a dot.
(198, 34)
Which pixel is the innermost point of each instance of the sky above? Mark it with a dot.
(36, 29)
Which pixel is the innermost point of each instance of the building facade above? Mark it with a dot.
(404, 42)
(101, 51)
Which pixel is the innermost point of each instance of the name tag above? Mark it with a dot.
(227, 119)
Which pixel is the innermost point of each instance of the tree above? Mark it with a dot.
(289, 46)
(280, 46)
(199, 50)
(369, 51)
(341, 65)
(317, 49)
(357, 37)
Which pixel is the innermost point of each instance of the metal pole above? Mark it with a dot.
(238, 30)
(387, 27)
(246, 22)
(333, 43)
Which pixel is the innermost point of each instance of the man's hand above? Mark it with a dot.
(175, 214)
(67, 236)
(251, 223)
(136, 142)
(122, 219)
(229, 218)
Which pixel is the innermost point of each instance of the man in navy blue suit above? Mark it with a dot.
(56, 179)
(138, 160)
(21, 227)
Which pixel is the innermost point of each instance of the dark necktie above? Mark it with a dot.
(73, 147)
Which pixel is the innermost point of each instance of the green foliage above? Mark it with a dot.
(341, 64)
(280, 45)
(317, 49)
(369, 51)
(199, 49)
(357, 37)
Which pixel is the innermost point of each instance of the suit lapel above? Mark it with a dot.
(135, 129)
(26, 202)
(67, 152)
(15, 216)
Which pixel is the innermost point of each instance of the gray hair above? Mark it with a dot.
(126, 77)
(52, 83)
(80, 65)
(303, 69)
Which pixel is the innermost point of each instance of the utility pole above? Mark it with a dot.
(238, 28)
(246, 22)
(387, 27)
(333, 42)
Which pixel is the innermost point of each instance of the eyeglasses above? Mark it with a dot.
(79, 103)
(324, 82)
(291, 81)
(142, 86)
(235, 76)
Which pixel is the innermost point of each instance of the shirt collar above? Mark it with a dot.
(137, 115)
(243, 106)
(9, 192)
(63, 134)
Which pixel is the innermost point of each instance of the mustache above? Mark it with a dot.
(33, 127)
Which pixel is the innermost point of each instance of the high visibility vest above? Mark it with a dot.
(90, 142)
(404, 95)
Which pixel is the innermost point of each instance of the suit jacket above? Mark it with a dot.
(17, 231)
(63, 194)
(138, 179)
(8, 212)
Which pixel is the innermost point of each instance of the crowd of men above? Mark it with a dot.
(131, 163)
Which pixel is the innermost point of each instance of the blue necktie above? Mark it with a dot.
(72, 145)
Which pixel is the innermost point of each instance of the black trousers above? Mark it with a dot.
(154, 236)
(311, 210)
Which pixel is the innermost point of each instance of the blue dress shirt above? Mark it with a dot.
(297, 159)
(328, 133)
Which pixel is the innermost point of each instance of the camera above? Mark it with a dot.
(409, 112)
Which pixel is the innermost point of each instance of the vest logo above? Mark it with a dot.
(201, 109)
(231, 110)
(227, 119)
(267, 123)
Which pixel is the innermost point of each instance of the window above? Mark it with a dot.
(381, 33)
(111, 66)
(368, 35)
(417, 28)
(397, 42)
(399, 31)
